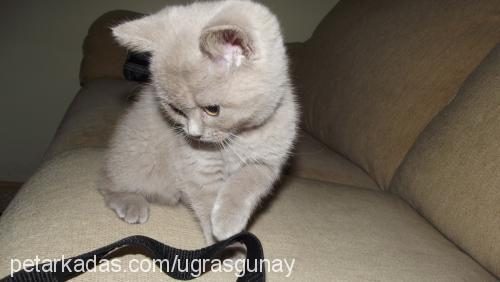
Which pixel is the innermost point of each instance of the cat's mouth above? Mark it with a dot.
(201, 139)
(206, 140)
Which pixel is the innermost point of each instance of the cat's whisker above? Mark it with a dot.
(181, 133)
(241, 155)
(243, 152)
(223, 144)
(269, 175)
(235, 152)
(238, 138)
(226, 144)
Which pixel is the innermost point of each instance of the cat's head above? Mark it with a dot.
(218, 68)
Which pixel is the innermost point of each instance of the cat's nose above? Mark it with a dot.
(194, 130)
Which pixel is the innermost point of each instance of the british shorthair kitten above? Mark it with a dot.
(215, 125)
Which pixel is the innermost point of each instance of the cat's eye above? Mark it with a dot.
(176, 110)
(212, 110)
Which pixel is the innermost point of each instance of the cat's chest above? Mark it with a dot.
(203, 167)
(207, 166)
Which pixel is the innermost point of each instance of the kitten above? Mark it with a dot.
(217, 122)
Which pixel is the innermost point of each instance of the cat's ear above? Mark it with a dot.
(136, 35)
(226, 44)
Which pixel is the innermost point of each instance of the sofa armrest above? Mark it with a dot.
(102, 56)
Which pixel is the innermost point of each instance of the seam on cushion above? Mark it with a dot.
(338, 183)
(284, 177)
(396, 171)
(443, 234)
(342, 155)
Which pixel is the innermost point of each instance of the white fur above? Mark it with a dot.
(221, 166)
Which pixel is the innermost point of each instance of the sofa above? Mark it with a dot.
(395, 176)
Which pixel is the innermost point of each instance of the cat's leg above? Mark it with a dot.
(239, 196)
(202, 201)
(131, 207)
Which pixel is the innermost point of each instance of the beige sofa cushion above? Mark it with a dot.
(102, 56)
(452, 175)
(92, 116)
(374, 73)
(313, 160)
(334, 232)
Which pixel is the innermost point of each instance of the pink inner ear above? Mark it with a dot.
(237, 42)
(225, 45)
(231, 37)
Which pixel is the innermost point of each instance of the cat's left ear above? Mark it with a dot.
(227, 44)
(137, 34)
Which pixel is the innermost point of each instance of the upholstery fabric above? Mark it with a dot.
(313, 160)
(102, 56)
(452, 174)
(334, 232)
(374, 73)
(91, 117)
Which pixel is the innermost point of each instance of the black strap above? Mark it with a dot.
(136, 67)
(186, 259)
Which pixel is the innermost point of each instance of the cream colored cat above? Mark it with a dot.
(217, 122)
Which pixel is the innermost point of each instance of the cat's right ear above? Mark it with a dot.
(226, 44)
(136, 35)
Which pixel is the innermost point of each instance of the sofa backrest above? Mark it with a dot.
(452, 174)
(374, 73)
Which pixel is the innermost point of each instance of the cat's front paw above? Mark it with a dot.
(130, 207)
(227, 221)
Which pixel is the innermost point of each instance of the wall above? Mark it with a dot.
(40, 53)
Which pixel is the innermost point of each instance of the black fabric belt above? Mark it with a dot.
(136, 68)
(186, 269)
